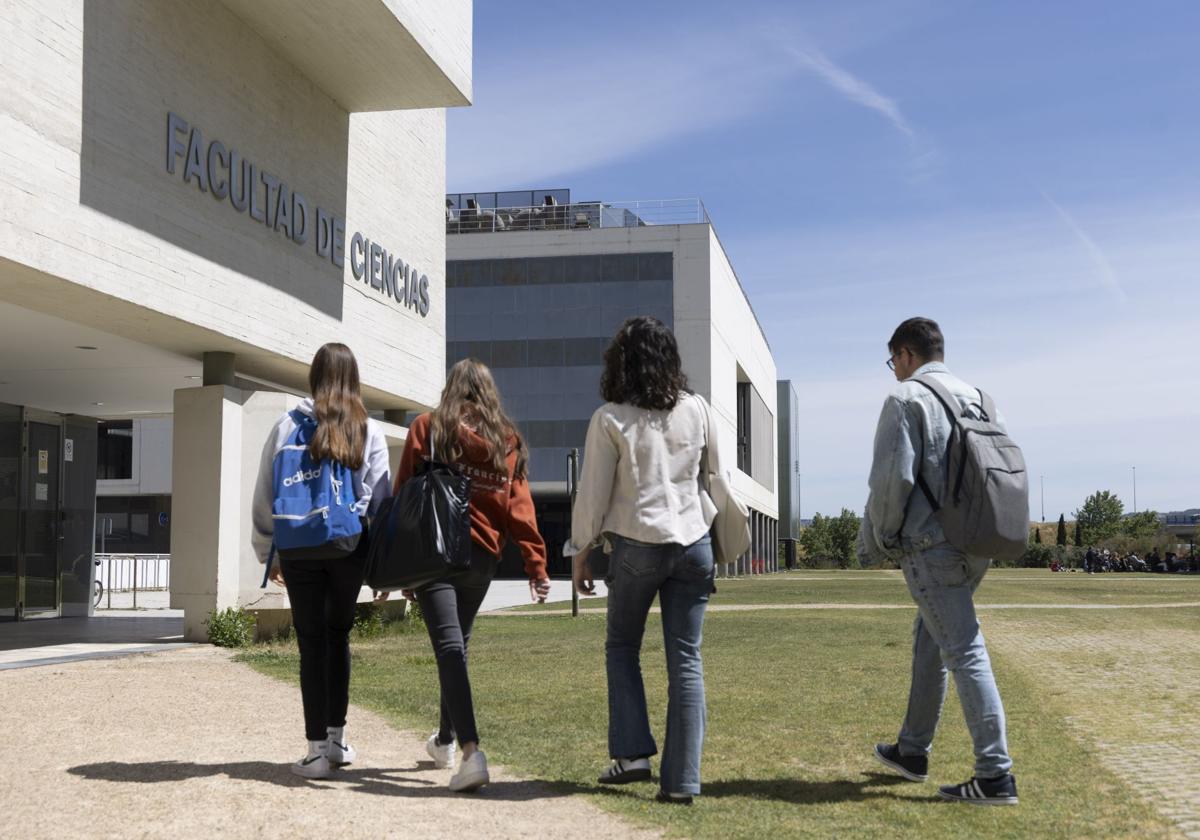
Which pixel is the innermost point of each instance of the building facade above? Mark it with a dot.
(538, 285)
(193, 198)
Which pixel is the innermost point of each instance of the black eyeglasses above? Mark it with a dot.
(891, 363)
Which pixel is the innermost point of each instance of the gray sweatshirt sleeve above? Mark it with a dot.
(262, 532)
(373, 480)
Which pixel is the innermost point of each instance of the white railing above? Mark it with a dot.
(133, 573)
(578, 216)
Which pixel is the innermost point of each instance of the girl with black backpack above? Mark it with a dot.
(470, 430)
(309, 528)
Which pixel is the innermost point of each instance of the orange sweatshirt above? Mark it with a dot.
(500, 506)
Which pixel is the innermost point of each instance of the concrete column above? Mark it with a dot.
(206, 504)
(218, 369)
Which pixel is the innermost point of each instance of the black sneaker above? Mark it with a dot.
(626, 770)
(999, 791)
(915, 768)
(673, 798)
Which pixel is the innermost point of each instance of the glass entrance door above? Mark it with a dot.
(38, 566)
(10, 507)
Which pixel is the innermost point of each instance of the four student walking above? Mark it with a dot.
(641, 500)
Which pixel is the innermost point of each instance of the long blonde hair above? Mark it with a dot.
(338, 407)
(471, 394)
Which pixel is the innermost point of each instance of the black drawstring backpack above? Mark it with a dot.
(424, 531)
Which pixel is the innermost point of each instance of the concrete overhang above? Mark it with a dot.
(372, 55)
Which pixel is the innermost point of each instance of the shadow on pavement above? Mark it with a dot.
(377, 781)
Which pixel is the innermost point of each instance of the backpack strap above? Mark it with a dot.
(947, 400)
(270, 563)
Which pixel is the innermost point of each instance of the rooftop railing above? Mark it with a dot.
(587, 215)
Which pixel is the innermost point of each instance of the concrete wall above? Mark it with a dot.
(94, 229)
(220, 434)
(736, 340)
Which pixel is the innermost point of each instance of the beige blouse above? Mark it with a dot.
(640, 476)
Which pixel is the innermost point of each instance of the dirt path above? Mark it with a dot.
(190, 744)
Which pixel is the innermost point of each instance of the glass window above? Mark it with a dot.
(744, 390)
(544, 270)
(512, 272)
(509, 354)
(655, 267)
(115, 451)
(517, 198)
(451, 273)
(546, 352)
(585, 269)
(618, 267)
(475, 273)
(585, 351)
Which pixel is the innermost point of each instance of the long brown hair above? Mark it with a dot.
(471, 394)
(338, 406)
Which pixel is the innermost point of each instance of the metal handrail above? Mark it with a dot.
(586, 215)
(134, 573)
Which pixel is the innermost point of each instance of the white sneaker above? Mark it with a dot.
(472, 775)
(316, 764)
(443, 755)
(340, 752)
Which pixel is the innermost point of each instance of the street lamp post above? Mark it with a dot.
(1134, 489)
(1043, 478)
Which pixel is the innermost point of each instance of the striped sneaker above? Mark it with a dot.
(998, 791)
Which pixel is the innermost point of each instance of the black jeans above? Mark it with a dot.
(449, 607)
(323, 593)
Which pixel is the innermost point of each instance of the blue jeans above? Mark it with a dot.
(946, 636)
(682, 578)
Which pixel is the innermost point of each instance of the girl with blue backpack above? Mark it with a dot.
(323, 474)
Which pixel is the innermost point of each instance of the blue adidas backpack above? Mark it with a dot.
(313, 499)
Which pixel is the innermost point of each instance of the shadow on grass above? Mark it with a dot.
(805, 792)
(376, 781)
(795, 791)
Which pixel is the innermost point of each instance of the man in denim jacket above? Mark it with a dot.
(900, 525)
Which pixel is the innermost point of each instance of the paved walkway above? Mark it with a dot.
(191, 744)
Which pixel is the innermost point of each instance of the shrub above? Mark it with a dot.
(368, 621)
(230, 627)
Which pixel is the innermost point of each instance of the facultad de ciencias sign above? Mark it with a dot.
(225, 174)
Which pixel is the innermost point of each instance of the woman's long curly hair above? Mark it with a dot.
(471, 396)
(337, 404)
(642, 366)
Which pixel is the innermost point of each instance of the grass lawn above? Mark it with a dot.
(796, 699)
(1001, 586)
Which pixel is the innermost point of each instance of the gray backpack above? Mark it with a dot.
(985, 512)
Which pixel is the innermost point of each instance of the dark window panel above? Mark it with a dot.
(546, 352)
(510, 272)
(618, 267)
(584, 269)
(575, 432)
(543, 433)
(114, 450)
(508, 354)
(585, 351)
(475, 273)
(543, 270)
(452, 273)
(655, 267)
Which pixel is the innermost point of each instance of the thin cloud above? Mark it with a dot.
(1108, 276)
(853, 88)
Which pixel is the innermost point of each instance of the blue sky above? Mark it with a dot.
(1027, 174)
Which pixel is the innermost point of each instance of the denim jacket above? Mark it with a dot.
(912, 436)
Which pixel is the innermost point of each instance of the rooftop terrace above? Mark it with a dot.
(528, 210)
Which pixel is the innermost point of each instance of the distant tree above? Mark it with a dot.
(1078, 535)
(1100, 516)
(1144, 524)
(832, 538)
(1062, 530)
(1037, 535)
